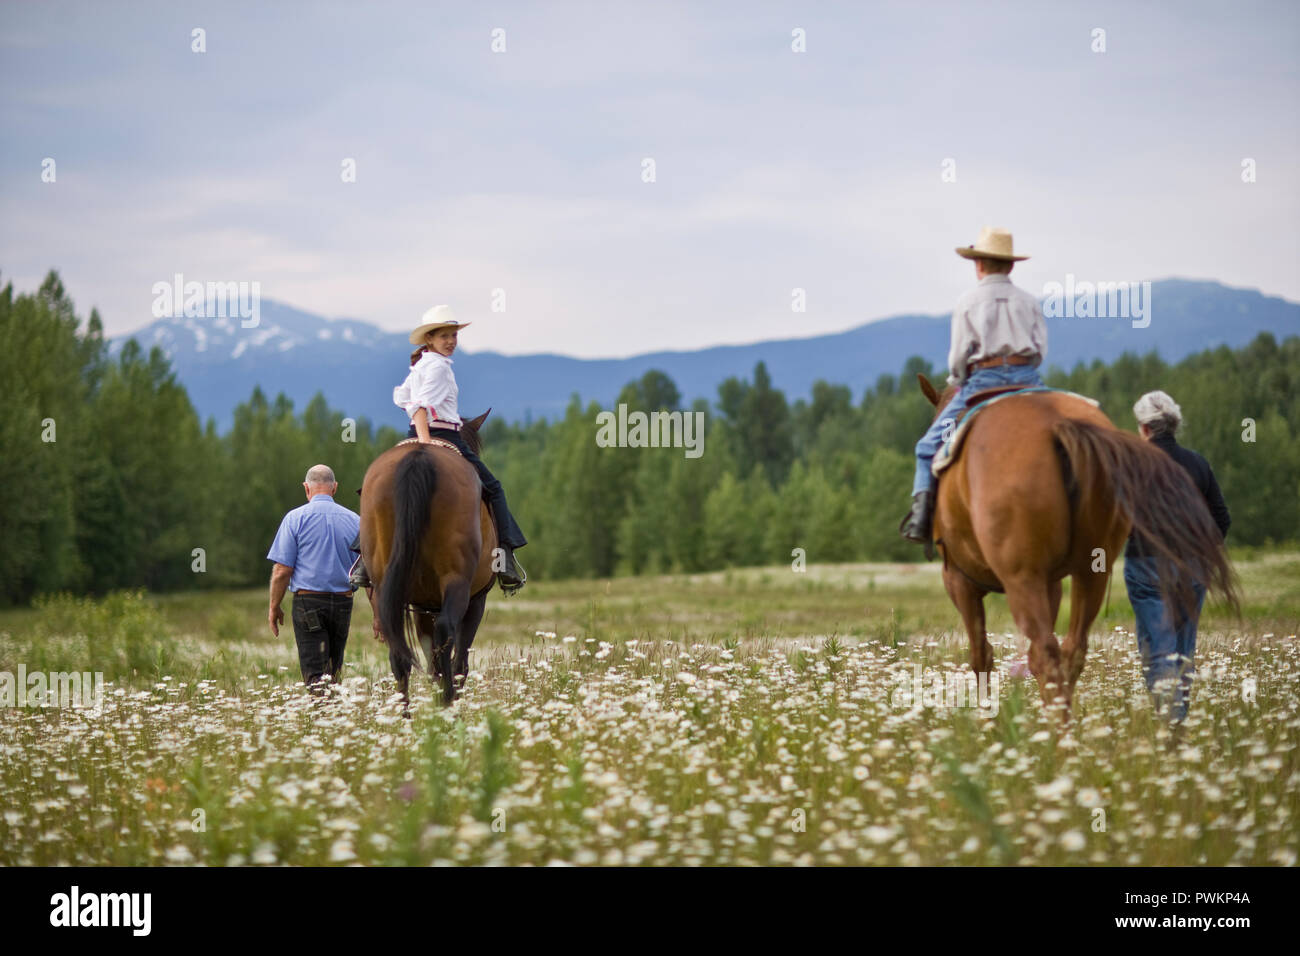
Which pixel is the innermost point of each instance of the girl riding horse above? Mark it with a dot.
(429, 396)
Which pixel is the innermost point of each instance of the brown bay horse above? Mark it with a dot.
(1044, 487)
(427, 539)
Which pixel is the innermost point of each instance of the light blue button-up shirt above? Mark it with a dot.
(314, 540)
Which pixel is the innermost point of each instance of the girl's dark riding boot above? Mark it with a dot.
(509, 537)
(512, 574)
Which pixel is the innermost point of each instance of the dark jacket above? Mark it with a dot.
(1202, 476)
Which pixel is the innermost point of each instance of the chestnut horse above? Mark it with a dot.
(427, 539)
(1046, 486)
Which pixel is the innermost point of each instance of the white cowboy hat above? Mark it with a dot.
(993, 243)
(439, 317)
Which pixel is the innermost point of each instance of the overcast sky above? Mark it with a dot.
(522, 170)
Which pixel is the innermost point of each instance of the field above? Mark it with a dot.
(746, 717)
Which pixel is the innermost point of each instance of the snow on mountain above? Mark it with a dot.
(356, 364)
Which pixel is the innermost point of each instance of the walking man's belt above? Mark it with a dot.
(1005, 360)
(337, 593)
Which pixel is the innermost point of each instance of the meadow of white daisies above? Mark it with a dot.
(743, 718)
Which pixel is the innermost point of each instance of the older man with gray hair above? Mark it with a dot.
(1168, 646)
(312, 558)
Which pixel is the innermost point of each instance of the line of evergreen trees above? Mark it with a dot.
(109, 479)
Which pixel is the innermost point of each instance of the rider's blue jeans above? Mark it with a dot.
(977, 381)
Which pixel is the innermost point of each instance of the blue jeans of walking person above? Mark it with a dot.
(1168, 648)
(978, 381)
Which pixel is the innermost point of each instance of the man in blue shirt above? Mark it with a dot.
(312, 559)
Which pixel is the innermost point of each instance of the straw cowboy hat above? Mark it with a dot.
(993, 243)
(439, 317)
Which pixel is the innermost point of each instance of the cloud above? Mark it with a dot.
(522, 171)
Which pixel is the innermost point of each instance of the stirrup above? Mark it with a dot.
(928, 545)
(510, 589)
(358, 575)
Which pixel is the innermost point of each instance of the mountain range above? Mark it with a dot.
(356, 364)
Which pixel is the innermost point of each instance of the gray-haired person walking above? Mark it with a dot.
(1168, 644)
(312, 558)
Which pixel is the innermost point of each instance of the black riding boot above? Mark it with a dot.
(509, 571)
(358, 577)
(917, 525)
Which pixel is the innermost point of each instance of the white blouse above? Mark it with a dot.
(431, 385)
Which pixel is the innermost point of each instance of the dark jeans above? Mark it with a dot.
(320, 647)
(1168, 649)
(493, 493)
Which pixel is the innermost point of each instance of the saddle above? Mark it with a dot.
(950, 449)
(979, 398)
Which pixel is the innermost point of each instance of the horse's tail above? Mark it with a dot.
(414, 482)
(1160, 500)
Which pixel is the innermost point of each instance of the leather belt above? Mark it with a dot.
(333, 593)
(1004, 360)
(435, 422)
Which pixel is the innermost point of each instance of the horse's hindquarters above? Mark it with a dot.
(1008, 507)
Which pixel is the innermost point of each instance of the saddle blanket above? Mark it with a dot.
(948, 452)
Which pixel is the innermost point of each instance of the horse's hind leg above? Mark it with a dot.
(969, 599)
(465, 638)
(1054, 596)
(455, 598)
(402, 673)
(401, 665)
(424, 631)
(1030, 602)
(1087, 591)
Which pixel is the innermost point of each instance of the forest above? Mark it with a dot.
(111, 481)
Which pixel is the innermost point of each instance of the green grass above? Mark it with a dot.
(745, 717)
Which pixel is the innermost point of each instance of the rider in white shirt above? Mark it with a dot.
(999, 338)
(429, 398)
